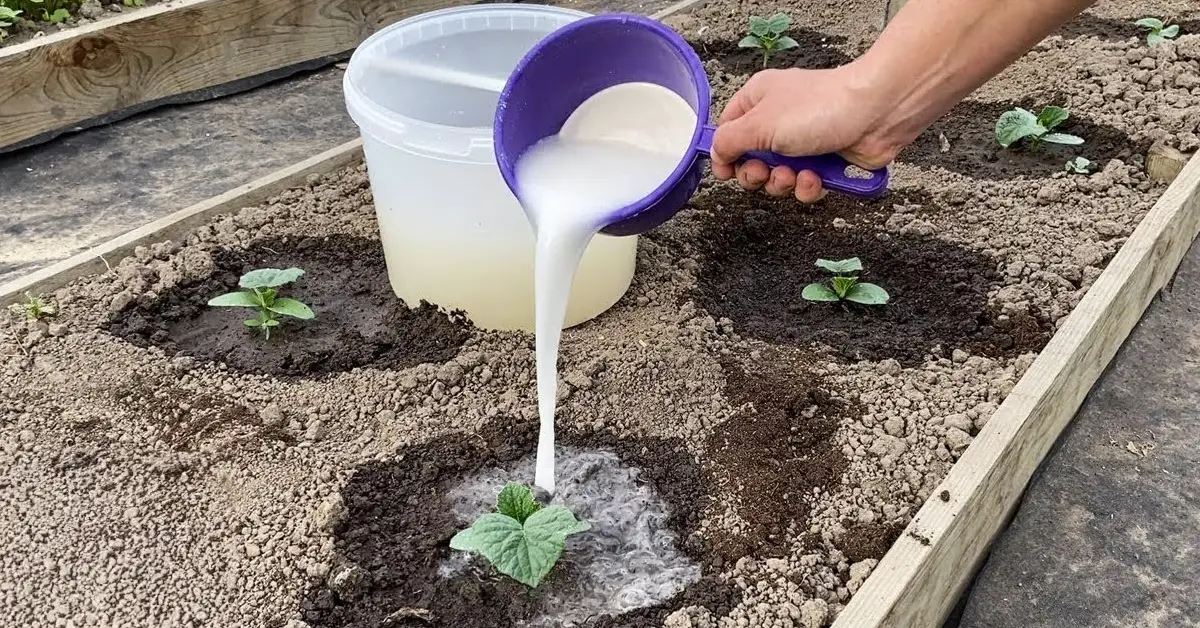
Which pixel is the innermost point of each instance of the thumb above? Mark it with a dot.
(734, 138)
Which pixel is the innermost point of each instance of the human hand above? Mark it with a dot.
(799, 113)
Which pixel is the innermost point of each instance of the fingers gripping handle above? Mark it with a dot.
(832, 168)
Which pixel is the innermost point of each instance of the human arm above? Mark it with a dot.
(932, 55)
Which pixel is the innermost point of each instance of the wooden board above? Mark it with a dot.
(174, 48)
(921, 577)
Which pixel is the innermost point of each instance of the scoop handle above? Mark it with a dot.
(830, 167)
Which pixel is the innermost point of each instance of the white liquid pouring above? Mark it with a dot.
(615, 149)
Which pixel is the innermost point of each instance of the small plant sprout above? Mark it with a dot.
(844, 285)
(34, 307)
(767, 34)
(1159, 32)
(1020, 124)
(1079, 165)
(522, 539)
(260, 290)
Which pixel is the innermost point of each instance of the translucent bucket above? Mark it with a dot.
(453, 233)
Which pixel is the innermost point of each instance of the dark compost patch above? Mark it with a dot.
(817, 51)
(759, 253)
(777, 450)
(971, 130)
(359, 322)
(397, 528)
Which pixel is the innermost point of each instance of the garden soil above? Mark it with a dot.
(162, 468)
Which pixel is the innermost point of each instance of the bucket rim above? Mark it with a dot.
(371, 116)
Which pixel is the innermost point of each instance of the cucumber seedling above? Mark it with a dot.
(522, 539)
(767, 34)
(1021, 124)
(1158, 30)
(844, 285)
(260, 290)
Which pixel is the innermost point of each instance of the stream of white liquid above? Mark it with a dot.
(615, 149)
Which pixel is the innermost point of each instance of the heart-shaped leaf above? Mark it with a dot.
(778, 23)
(525, 552)
(516, 501)
(750, 41)
(785, 42)
(759, 26)
(1015, 125)
(1052, 116)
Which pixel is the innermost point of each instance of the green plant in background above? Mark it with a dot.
(1159, 32)
(7, 17)
(260, 290)
(34, 307)
(767, 34)
(1020, 124)
(1079, 165)
(52, 11)
(844, 285)
(522, 539)
(135, 3)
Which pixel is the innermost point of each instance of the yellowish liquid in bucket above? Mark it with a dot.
(615, 149)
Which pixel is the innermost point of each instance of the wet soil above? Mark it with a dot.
(397, 529)
(760, 255)
(359, 321)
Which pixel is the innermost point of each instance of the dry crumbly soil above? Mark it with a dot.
(157, 474)
(28, 27)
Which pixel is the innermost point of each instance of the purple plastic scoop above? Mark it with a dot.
(592, 54)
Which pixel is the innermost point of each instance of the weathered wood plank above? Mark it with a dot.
(175, 48)
(919, 580)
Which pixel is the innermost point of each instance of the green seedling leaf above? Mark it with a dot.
(516, 501)
(867, 294)
(291, 307)
(750, 41)
(525, 552)
(1155, 38)
(778, 23)
(1152, 23)
(240, 298)
(1062, 138)
(8, 14)
(785, 43)
(842, 285)
(818, 292)
(253, 322)
(1170, 32)
(269, 277)
(841, 267)
(1052, 116)
(59, 16)
(759, 26)
(1016, 125)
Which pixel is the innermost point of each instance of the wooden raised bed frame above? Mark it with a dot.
(919, 580)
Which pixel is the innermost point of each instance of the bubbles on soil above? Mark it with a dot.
(627, 560)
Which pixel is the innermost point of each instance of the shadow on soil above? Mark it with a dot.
(973, 151)
(758, 254)
(816, 51)
(1118, 29)
(359, 321)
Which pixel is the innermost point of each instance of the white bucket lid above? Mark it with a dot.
(415, 114)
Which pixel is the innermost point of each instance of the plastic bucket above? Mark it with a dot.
(453, 233)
